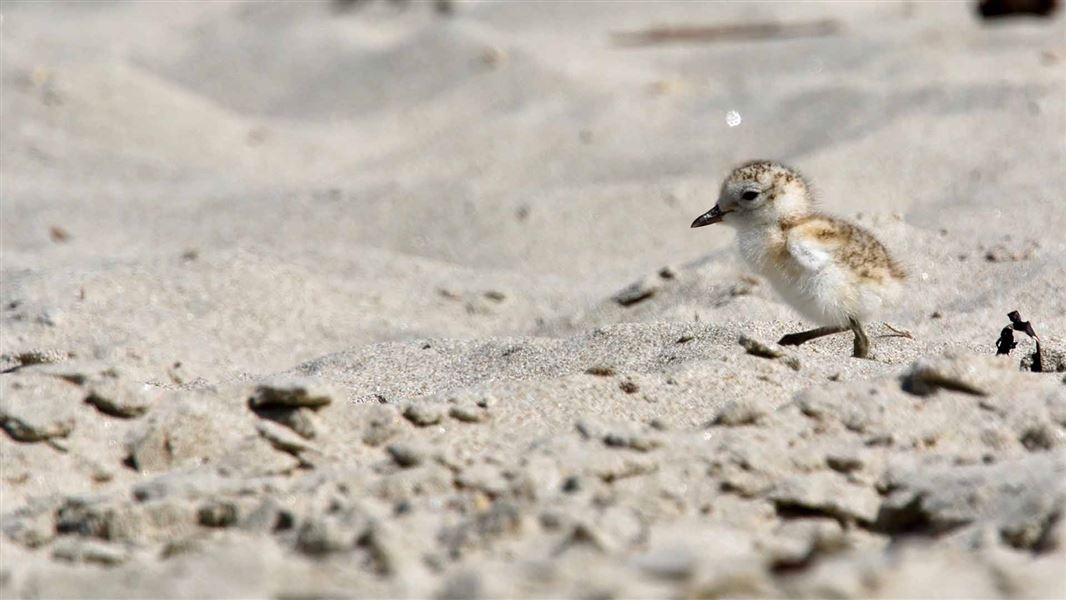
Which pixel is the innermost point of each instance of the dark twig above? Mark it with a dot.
(1006, 341)
(903, 333)
(716, 33)
(1020, 325)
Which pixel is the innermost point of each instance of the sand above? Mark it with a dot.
(307, 302)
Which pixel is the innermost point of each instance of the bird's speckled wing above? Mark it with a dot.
(821, 241)
(809, 250)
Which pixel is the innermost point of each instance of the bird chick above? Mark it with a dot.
(832, 272)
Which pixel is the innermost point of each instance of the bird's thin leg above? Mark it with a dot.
(862, 343)
(795, 339)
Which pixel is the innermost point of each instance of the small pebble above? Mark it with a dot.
(756, 348)
(123, 399)
(292, 392)
(282, 438)
(424, 414)
(738, 412)
(217, 513)
(638, 292)
(468, 413)
(406, 455)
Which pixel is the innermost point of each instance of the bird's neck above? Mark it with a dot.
(773, 222)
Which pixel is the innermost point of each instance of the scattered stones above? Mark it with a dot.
(292, 392)
(803, 491)
(756, 348)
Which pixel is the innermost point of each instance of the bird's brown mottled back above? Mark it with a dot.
(856, 247)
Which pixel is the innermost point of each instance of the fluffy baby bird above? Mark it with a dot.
(832, 272)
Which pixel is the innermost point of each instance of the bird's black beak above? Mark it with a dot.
(710, 217)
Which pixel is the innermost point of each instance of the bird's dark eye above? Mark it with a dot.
(750, 195)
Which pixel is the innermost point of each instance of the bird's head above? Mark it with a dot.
(759, 192)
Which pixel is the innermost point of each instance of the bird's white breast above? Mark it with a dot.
(809, 278)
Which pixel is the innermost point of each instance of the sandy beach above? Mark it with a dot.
(310, 300)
